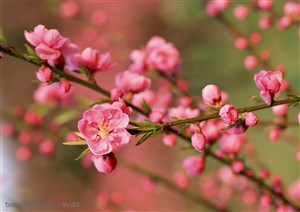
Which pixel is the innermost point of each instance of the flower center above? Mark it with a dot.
(103, 131)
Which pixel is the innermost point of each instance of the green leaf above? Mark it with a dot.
(183, 127)
(142, 124)
(65, 116)
(146, 107)
(144, 138)
(30, 51)
(86, 72)
(2, 36)
(75, 143)
(83, 154)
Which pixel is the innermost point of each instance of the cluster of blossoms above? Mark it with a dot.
(104, 128)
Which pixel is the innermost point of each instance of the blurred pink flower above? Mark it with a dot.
(194, 165)
(132, 82)
(139, 63)
(162, 56)
(251, 119)
(104, 128)
(269, 83)
(44, 74)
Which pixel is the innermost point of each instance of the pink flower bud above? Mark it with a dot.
(285, 22)
(238, 166)
(182, 85)
(7, 129)
(23, 153)
(231, 143)
(255, 38)
(275, 134)
(241, 12)
(265, 22)
(292, 9)
(32, 118)
(199, 141)
(211, 94)
(69, 9)
(47, 147)
(44, 74)
(265, 4)
(169, 140)
(294, 190)
(265, 200)
(116, 93)
(251, 62)
(25, 137)
(241, 43)
(194, 165)
(299, 118)
(65, 86)
(251, 119)
(229, 114)
(105, 163)
(280, 110)
(285, 85)
(98, 17)
(212, 10)
(265, 55)
(117, 198)
(264, 174)
(181, 180)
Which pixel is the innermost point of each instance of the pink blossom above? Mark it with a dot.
(299, 118)
(194, 165)
(285, 22)
(250, 119)
(231, 143)
(275, 134)
(33, 118)
(132, 82)
(280, 110)
(44, 74)
(138, 58)
(251, 62)
(104, 128)
(183, 112)
(169, 140)
(249, 197)
(182, 85)
(292, 8)
(47, 147)
(25, 137)
(265, 200)
(50, 45)
(156, 116)
(65, 86)
(199, 141)
(265, 22)
(23, 153)
(241, 43)
(181, 180)
(116, 93)
(255, 38)
(51, 95)
(185, 101)
(222, 4)
(105, 163)
(148, 96)
(69, 9)
(229, 114)
(212, 9)
(238, 166)
(162, 56)
(211, 94)
(238, 129)
(211, 130)
(269, 83)
(265, 4)
(241, 12)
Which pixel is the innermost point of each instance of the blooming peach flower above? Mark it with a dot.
(162, 56)
(211, 94)
(92, 59)
(132, 82)
(139, 61)
(169, 140)
(269, 83)
(194, 165)
(50, 45)
(105, 163)
(104, 128)
(231, 143)
(183, 112)
(148, 96)
(229, 114)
